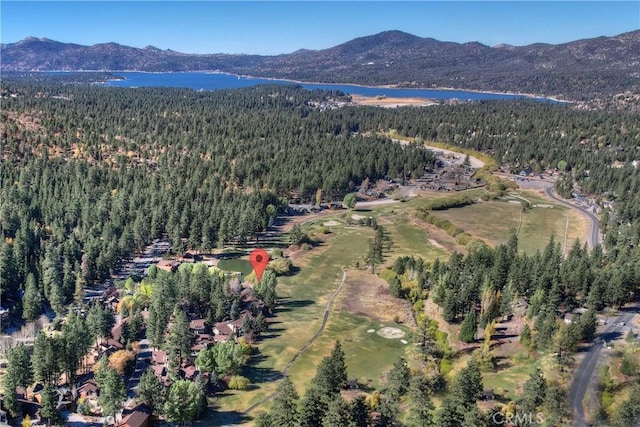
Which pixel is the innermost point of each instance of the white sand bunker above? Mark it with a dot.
(390, 333)
(330, 223)
(515, 202)
(436, 244)
(543, 205)
(370, 331)
(404, 341)
(358, 217)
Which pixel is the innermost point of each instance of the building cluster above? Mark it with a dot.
(82, 396)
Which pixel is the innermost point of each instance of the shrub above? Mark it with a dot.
(122, 361)
(323, 230)
(238, 382)
(280, 266)
(445, 367)
(463, 239)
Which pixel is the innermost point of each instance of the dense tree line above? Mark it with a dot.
(91, 174)
(490, 280)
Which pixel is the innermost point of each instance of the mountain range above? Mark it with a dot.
(578, 70)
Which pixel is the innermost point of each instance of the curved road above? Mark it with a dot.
(585, 372)
(593, 238)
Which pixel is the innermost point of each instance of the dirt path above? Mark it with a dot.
(325, 318)
(475, 162)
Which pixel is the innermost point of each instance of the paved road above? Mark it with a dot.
(143, 355)
(594, 235)
(585, 373)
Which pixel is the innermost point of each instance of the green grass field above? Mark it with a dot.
(368, 356)
(241, 265)
(494, 221)
(299, 315)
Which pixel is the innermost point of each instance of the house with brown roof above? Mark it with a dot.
(199, 326)
(168, 265)
(236, 325)
(110, 346)
(139, 416)
(88, 390)
(222, 328)
(160, 357)
(189, 372)
(116, 331)
(221, 338)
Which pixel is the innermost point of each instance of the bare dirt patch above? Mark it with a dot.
(442, 240)
(436, 244)
(368, 295)
(390, 102)
(390, 333)
(331, 223)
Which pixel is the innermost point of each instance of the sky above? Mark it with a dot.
(270, 28)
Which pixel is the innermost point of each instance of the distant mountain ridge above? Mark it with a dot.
(580, 69)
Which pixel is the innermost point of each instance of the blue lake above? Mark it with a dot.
(214, 81)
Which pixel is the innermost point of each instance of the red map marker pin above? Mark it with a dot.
(259, 259)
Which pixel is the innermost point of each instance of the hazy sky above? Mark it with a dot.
(282, 27)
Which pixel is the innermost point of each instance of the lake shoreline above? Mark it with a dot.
(529, 96)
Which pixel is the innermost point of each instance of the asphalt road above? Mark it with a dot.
(594, 235)
(585, 372)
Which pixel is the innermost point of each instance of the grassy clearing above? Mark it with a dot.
(368, 356)
(409, 240)
(241, 265)
(495, 220)
(303, 298)
(510, 379)
(491, 221)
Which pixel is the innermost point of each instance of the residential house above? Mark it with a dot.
(160, 372)
(189, 372)
(89, 389)
(221, 338)
(198, 326)
(222, 328)
(168, 265)
(140, 416)
(160, 357)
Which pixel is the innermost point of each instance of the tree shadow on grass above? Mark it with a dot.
(261, 375)
(288, 305)
(226, 418)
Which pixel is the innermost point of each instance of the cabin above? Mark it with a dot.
(168, 265)
(140, 416)
(189, 372)
(160, 357)
(222, 328)
(198, 326)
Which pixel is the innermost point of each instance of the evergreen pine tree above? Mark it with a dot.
(284, 410)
